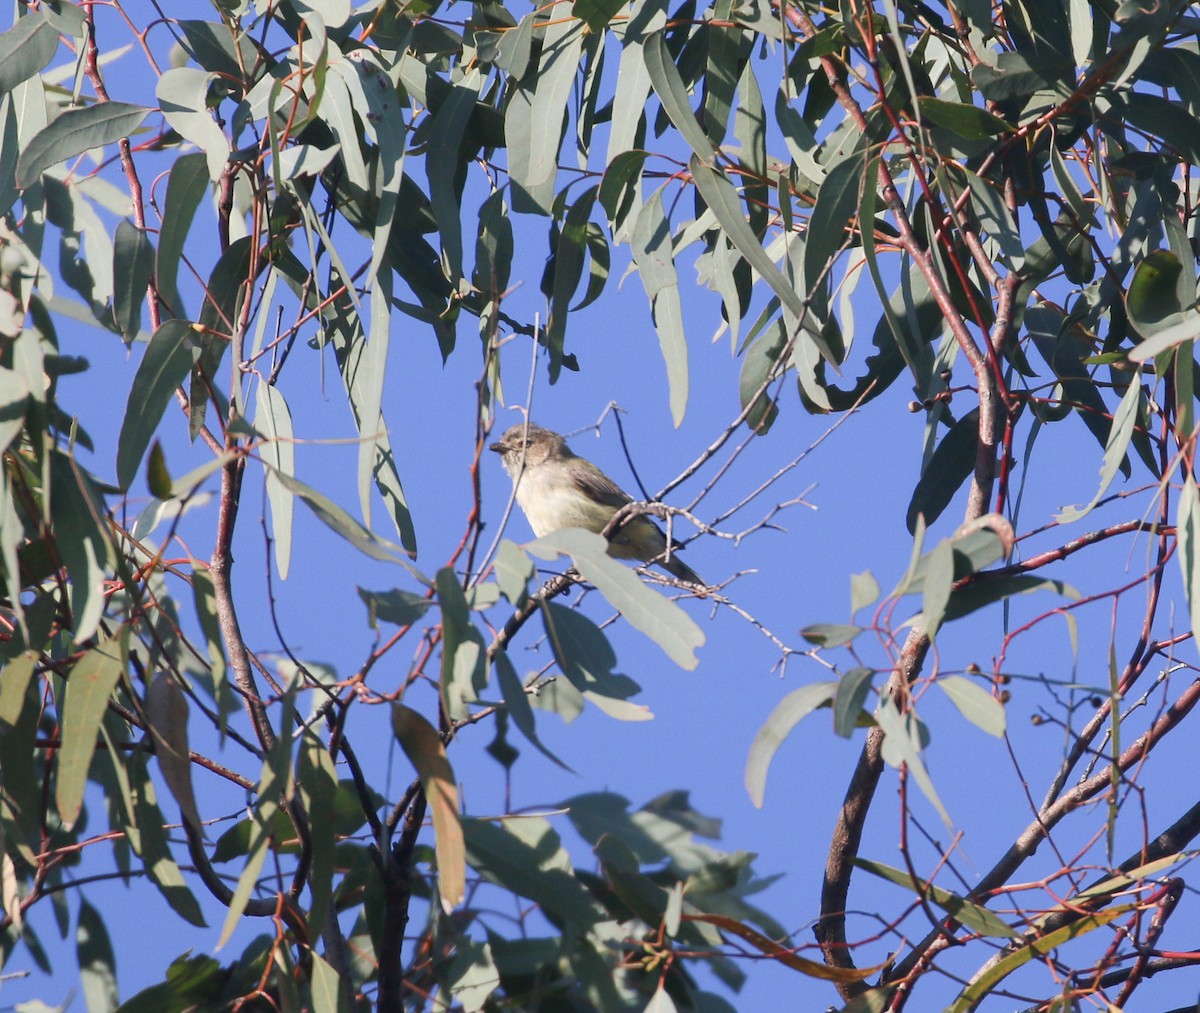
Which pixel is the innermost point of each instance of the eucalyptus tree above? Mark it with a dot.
(988, 207)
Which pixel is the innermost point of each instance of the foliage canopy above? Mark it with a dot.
(994, 205)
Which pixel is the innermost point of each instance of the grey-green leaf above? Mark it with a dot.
(798, 704)
(974, 916)
(74, 132)
(659, 618)
(165, 365)
(89, 685)
(975, 703)
(24, 50)
(722, 199)
(653, 255)
(133, 262)
(273, 419)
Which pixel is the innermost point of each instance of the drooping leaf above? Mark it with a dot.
(1119, 437)
(165, 365)
(952, 463)
(989, 978)
(837, 201)
(167, 716)
(186, 186)
(794, 707)
(273, 419)
(659, 618)
(672, 93)
(902, 745)
(852, 690)
(133, 262)
(652, 252)
(90, 683)
(423, 746)
(536, 116)
(97, 960)
(722, 199)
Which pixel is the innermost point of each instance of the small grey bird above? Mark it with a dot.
(559, 490)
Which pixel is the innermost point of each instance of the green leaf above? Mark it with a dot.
(158, 476)
(74, 132)
(183, 98)
(514, 569)
(81, 538)
(587, 659)
(260, 837)
(990, 588)
(719, 195)
(658, 617)
(852, 690)
(987, 980)
(24, 50)
(864, 590)
(442, 163)
(192, 983)
(837, 200)
(1185, 328)
(1188, 534)
(14, 399)
(672, 93)
(166, 718)
(971, 122)
(652, 252)
(90, 683)
(902, 744)
(935, 590)
(536, 117)
(830, 634)
(976, 917)
(402, 608)
(567, 269)
(1119, 436)
(97, 961)
(760, 359)
(147, 835)
(463, 667)
(596, 13)
(1160, 116)
(525, 857)
(1153, 296)
(164, 366)
(133, 262)
(186, 186)
(951, 464)
(797, 705)
(516, 701)
(340, 522)
(316, 777)
(274, 420)
(327, 994)
(975, 703)
(423, 746)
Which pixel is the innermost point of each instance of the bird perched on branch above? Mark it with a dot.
(557, 489)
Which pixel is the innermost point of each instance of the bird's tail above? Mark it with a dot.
(676, 567)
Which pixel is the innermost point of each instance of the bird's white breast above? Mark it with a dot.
(552, 502)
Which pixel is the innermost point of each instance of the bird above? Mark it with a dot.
(557, 489)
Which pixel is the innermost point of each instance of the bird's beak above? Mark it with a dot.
(498, 448)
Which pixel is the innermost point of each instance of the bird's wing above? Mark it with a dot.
(596, 485)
